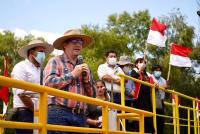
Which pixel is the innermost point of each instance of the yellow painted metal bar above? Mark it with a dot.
(188, 112)
(68, 95)
(43, 112)
(141, 124)
(153, 93)
(174, 117)
(122, 85)
(105, 119)
(1, 128)
(13, 124)
(194, 116)
(177, 113)
(73, 129)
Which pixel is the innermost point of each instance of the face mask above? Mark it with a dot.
(141, 66)
(40, 57)
(112, 61)
(126, 69)
(157, 74)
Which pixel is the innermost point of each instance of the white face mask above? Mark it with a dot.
(112, 61)
(40, 57)
(141, 66)
(126, 69)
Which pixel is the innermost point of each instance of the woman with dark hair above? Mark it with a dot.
(143, 92)
(94, 111)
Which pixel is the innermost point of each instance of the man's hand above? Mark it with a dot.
(79, 69)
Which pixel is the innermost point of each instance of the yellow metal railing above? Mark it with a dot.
(43, 126)
(175, 107)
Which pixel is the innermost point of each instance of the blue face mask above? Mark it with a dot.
(40, 57)
(157, 74)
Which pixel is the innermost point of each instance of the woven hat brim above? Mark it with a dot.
(124, 63)
(23, 51)
(58, 43)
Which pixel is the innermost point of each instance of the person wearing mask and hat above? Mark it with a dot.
(160, 96)
(126, 65)
(28, 70)
(108, 73)
(142, 98)
(65, 72)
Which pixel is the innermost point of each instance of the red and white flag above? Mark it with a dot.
(156, 34)
(180, 56)
(4, 91)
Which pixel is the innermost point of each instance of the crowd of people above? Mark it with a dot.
(67, 72)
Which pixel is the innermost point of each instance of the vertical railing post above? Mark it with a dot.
(141, 124)
(1, 130)
(174, 116)
(43, 112)
(122, 98)
(194, 116)
(177, 113)
(188, 111)
(105, 119)
(154, 108)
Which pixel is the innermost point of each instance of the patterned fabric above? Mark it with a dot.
(57, 74)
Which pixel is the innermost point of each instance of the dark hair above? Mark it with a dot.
(139, 60)
(110, 51)
(101, 82)
(156, 66)
(29, 51)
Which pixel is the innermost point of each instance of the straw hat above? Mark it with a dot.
(124, 60)
(35, 43)
(73, 33)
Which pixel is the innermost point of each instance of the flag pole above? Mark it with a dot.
(145, 52)
(169, 71)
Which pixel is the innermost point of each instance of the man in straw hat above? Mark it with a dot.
(28, 70)
(65, 72)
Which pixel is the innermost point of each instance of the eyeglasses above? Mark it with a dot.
(76, 41)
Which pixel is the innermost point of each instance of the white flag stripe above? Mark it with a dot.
(155, 38)
(180, 61)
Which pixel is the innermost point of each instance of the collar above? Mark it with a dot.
(30, 64)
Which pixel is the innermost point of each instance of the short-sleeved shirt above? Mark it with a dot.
(105, 69)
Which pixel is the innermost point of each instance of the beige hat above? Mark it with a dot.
(124, 60)
(35, 43)
(73, 33)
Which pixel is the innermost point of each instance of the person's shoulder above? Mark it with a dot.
(104, 65)
(55, 59)
(19, 67)
(20, 64)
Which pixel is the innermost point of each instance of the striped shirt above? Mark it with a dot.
(57, 74)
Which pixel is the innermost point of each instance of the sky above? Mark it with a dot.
(56, 16)
(51, 18)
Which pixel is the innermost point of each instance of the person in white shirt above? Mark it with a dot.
(28, 70)
(108, 73)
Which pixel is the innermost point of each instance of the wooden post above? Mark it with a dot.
(145, 52)
(169, 71)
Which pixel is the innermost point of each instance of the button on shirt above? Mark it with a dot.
(161, 82)
(24, 71)
(105, 69)
(57, 74)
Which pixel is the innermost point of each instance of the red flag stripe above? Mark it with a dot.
(156, 26)
(4, 90)
(180, 50)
